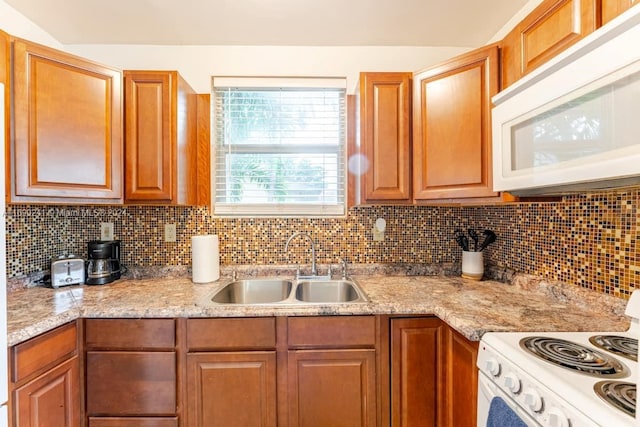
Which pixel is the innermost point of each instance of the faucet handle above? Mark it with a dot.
(343, 261)
(329, 271)
(297, 271)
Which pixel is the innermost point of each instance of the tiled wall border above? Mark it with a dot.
(589, 240)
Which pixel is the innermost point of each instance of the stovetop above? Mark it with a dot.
(575, 357)
(573, 389)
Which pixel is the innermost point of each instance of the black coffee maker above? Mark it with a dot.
(103, 263)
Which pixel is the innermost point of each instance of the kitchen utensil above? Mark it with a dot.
(474, 237)
(489, 238)
(103, 265)
(462, 239)
(67, 270)
(472, 265)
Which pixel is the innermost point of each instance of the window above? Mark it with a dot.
(279, 146)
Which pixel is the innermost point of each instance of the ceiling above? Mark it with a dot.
(464, 23)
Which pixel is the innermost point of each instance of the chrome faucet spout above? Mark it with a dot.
(314, 271)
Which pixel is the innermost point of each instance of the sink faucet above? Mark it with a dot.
(314, 271)
(343, 261)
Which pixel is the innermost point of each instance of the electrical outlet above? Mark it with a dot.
(106, 231)
(170, 233)
(378, 236)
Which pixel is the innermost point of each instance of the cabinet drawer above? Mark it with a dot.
(334, 331)
(114, 377)
(130, 334)
(132, 422)
(44, 351)
(231, 334)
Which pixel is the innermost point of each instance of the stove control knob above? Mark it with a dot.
(557, 418)
(493, 367)
(512, 382)
(533, 399)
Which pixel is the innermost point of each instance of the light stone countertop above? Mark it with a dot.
(470, 307)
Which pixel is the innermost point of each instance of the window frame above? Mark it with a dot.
(282, 210)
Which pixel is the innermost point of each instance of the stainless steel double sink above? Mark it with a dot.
(289, 292)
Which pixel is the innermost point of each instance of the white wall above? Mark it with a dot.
(16, 24)
(522, 13)
(198, 63)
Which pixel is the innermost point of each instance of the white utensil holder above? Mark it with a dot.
(472, 265)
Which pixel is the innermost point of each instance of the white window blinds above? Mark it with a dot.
(279, 146)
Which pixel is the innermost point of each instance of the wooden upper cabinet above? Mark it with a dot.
(612, 8)
(385, 127)
(452, 127)
(160, 138)
(548, 30)
(5, 54)
(67, 140)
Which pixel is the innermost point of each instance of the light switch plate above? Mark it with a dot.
(170, 233)
(106, 231)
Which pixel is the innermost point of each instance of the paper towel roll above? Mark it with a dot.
(205, 259)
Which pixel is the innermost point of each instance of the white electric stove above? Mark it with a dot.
(561, 379)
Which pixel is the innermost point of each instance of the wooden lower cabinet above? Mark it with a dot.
(416, 371)
(433, 374)
(45, 380)
(459, 402)
(232, 389)
(131, 383)
(131, 372)
(332, 388)
(50, 400)
(132, 422)
(281, 371)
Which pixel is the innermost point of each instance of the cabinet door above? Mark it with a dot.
(50, 400)
(613, 8)
(416, 371)
(549, 29)
(132, 422)
(231, 389)
(461, 391)
(161, 159)
(332, 388)
(385, 117)
(5, 54)
(131, 383)
(67, 144)
(452, 127)
(149, 135)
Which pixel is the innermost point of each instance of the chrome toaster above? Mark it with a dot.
(67, 270)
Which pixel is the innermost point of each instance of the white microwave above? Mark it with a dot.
(574, 123)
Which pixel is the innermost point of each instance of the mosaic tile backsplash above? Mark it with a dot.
(589, 240)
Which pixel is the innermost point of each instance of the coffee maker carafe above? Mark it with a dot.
(103, 264)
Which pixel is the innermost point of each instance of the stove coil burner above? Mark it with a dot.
(619, 394)
(573, 356)
(622, 346)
